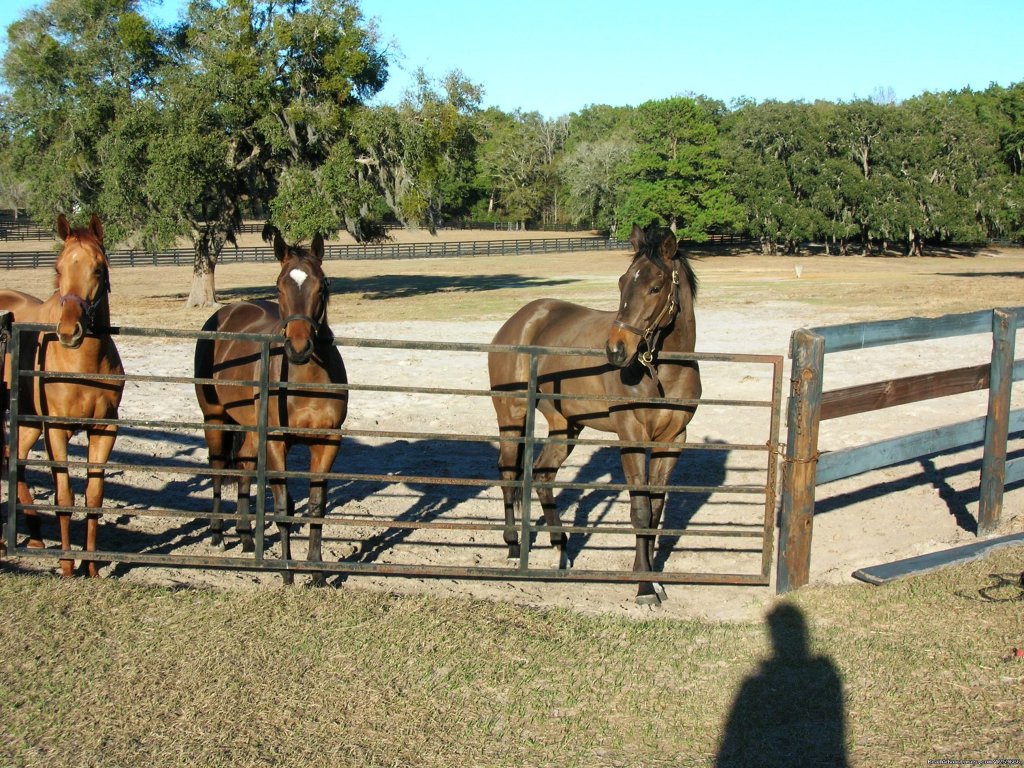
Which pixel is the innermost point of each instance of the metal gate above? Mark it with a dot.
(415, 492)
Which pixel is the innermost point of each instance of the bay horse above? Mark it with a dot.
(80, 343)
(655, 316)
(306, 356)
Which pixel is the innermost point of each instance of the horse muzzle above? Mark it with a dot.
(299, 332)
(623, 344)
(72, 340)
(300, 355)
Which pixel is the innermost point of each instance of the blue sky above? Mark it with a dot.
(558, 56)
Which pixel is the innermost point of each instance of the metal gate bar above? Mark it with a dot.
(261, 475)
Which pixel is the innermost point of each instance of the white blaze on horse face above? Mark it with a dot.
(298, 276)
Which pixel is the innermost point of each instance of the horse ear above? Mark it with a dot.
(636, 238)
(317, 247)
(669, 246)
(63, 228)
(96, 226)
(280, 247)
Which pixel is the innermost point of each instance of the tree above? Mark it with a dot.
(592, 173)
(418, 156)
(775, 152)
(261, 100)
(72, 69)
(515, 163)
(677, 174)
(175, 133)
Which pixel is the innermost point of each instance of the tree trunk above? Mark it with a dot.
(204, 290)
(915, 245)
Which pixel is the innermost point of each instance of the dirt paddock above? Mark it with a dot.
(747, 304)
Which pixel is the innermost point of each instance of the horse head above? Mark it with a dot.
(303, 291)
(82, 281)
(648, 294)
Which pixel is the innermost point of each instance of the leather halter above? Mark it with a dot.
(89, 308)
(650, 334)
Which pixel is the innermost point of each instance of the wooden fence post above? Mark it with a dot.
(807, 350)
(993, 464)
(7, 515)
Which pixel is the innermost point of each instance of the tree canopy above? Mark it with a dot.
(263, 109)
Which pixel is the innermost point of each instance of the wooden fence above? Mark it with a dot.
(805, 468)
(182, 257)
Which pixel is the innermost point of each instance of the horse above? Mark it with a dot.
(655, 316)
(306, 357)
(80, 343)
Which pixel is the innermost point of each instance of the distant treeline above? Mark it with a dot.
(265, 111)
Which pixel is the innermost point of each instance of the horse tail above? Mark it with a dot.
(231, 460)
(517, 499)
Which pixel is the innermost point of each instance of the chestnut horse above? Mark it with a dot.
(306, 357)
(655, 316)
(79, 343)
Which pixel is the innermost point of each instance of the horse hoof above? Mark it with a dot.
(218, 541)
(288, 578)
(317, 581)
(36, 544)
(248, 546)
(512, 562)
(659, 590)
(651, 600)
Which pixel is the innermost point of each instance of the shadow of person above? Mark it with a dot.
(790, 712)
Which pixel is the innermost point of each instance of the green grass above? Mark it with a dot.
(108, 673)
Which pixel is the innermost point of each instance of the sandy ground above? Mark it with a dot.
(888, 514)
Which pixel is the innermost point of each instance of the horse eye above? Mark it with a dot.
(656, 289)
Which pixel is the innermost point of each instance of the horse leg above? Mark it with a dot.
(550, 460)
(101, 443)
(277, 453)
(218, 443)
(246, 462)
(27, 436)
(663, 461)
(57, 449)
(634, 465)
(321, 459)
(510, 469)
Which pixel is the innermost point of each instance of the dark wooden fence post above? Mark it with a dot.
(798, 477)
(993, 464)
(14, 384)
(8, 525)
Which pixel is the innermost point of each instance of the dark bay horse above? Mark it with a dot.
(655, 316)
(79, 343)
(305, 356)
